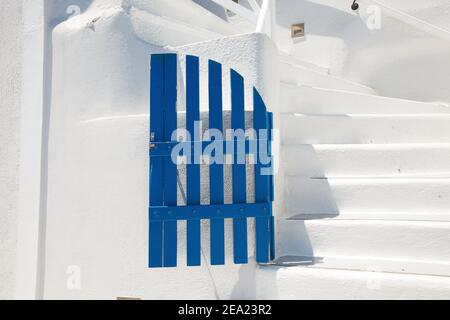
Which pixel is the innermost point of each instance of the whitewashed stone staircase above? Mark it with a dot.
(367, 193)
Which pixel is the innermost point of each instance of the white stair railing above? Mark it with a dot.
(261, 17)
(411, 20)
(255, 6)
(266, 17)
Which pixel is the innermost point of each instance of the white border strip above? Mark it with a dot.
(30, 149)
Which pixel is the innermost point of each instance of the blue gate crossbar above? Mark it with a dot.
(164, 149)
(222, 211)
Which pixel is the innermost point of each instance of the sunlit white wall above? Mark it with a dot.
(10, 84)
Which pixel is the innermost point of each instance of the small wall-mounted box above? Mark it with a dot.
(298, 30)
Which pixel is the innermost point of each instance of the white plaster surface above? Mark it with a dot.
(32, 143)
(10, 96)
(84, 208)
(339, 39)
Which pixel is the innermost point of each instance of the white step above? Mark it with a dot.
(418, 241)
(311, 100)
(293, 61)
(186, 12)
(436, 268)
(364, 129)
(301, 75)
(376, 216)
(364, 160)
(165, 31)
(311, 283)
(376, 195)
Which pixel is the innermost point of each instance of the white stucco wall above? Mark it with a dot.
(324, 22)
(87, 94)
(10, 93)
(386, 59)
(403, 57)
(31, 147)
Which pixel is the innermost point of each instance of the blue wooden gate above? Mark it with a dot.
(164, 213)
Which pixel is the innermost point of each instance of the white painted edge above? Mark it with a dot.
(27, 258)
(369, 264)
(384, 216)
(324, 90)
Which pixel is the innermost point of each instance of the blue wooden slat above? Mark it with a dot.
(193, 169)
(239, 170)
(272, 239)
(271, 190)
(217, 232)
(272, 183)
(170, 168)
(262, 183)
(156, 164)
